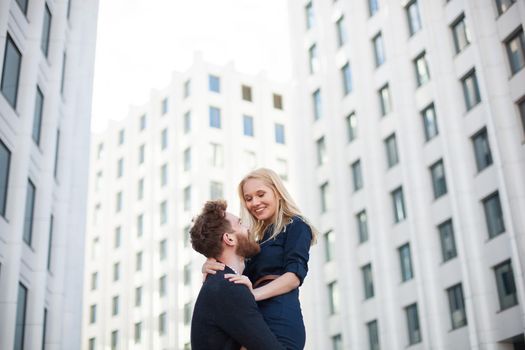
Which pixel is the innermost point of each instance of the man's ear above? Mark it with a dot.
(227, 239)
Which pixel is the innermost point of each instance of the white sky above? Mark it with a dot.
(140, 42)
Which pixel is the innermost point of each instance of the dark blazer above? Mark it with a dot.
(226, 316)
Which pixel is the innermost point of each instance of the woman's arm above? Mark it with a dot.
(281, 285)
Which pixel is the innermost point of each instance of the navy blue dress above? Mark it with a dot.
(287, 252)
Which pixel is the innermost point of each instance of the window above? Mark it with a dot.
(50, 242)
(501, 5)
(216, 191)
(448, 242)
(57, 153)
(187, 274)
(362, 226)
(187, 198)
(121, 136)
(368, 281)
(118, 204)
(324, 188)
(11, 70)
(114, 340)
(37, 115)
(138, 261)
(164, 139)
(187, 122)
(95, 252)
(429, 122)
(493, 215)
(373, 7)
(20, 325)
(163, 175)
(115, 305)
(140, 189)
(118, 237)
(277, 101)
(29, 212)
(250, 160)
(217, 155)
(163, 212)
(313, 61)
(187, 88)
(482, 152)
(351, 127)
(186, 236)
(414, 333)
(392, 157)
(439, 183)
(507, 294)
(333, 298)
(100, 151)
(162, 323)
(337, 342)
(414, 21)
(91, 343)
(5, 164)
(164, 106)
(94, 281)
(142, 122)
(140, 225)
(246, 92)
(309, 14)
(379, 50)
(138, 296)
(187, 313)
(282, 169)
(138, 332)
(406, 262)
(214, 83)
(63, 74)
(142, 154)
(346, 73)
(120, 167)
(116, 271)
(341, 31)
(321, 151)
(515, 45)
(162, 285)
(93, 313)
(384, 100)
(456, 304)
(247, 124)
(357, 175)
(98, 181)
(316, 98)
(421, 68)
(329, 246)
(23, 5)
(96, 214)
(46, 31)
(521, 107)
(215, 117)
(373, 335)
(279, 133)
(470, 90)
(460, 33)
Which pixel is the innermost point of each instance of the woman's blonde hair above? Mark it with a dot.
(286, 207)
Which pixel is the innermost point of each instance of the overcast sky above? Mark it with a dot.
(140, 42)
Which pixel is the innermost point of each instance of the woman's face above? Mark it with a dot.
(260, 200)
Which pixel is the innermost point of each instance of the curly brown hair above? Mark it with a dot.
(208, 228)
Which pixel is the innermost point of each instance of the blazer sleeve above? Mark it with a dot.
(238, 315)
(297, 248)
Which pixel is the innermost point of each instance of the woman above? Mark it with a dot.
(280, 268)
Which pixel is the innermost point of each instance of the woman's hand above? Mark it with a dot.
(239, 279)
(210, 266)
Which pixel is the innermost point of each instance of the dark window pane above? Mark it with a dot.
(494, 215)
(37, 116)
(29, 212)
(506, 286)
(448, 242)
(5, 164)
(21, 306)
(11, 72)
(46, 31)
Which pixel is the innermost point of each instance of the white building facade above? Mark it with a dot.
(415, 114)
(150, 174)
(46, 60)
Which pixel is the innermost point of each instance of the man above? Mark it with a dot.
(225, 315)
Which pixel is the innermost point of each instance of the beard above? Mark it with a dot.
(246, 247)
